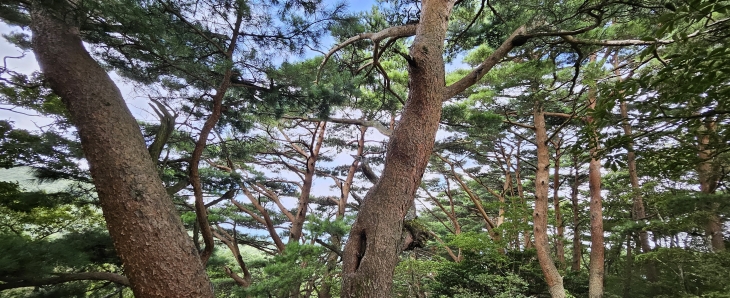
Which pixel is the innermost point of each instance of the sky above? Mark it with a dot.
(137, 100)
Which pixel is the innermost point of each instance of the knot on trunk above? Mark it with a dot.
(415, 235)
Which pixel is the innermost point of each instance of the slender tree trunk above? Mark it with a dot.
(577, 245)
(559, 247)
(295, 233)
(638, 211)
(708, 183)
(540, 215)
(596, 266)
(158, 255)
(336, 240)
(629, 267)
(527, 237)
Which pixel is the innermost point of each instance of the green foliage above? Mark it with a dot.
(42, 234)
(283, 274)
(52, 155)
(486, 271)
(177, 50)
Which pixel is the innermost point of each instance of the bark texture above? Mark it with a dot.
(540, 215)
(371, 252)
(158, 255)
(596, 266)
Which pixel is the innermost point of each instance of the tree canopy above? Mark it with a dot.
(467, 148)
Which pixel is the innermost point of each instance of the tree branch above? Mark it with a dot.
(367, 123)
(329, 246)
(475, 75)
(397, 31)
(67, 277)
(614, 43)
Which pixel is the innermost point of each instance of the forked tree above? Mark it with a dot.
(372, 250)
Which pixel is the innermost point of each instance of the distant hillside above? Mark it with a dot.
(24, 176)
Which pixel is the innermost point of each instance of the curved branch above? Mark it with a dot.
(232, 244)
(201, 211)
(167, 126)
(376, 37)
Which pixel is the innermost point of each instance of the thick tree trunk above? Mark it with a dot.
(540, 215)
(158, 255)
(577, 245)
(372, 249)
(596, 266)
(371, 252)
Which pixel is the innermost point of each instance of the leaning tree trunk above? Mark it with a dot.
(158, 255)
(638, 211)
(371, 252)
(540, 215)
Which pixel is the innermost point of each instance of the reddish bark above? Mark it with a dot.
(596, 266)
(638, 211)
(158, 255)
(540, 215)
(295, 233)
(559, 226)
(371, 253)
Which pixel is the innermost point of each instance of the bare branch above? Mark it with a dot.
(518, 124)
(561, 115)
(232, 244)
(367, 123)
